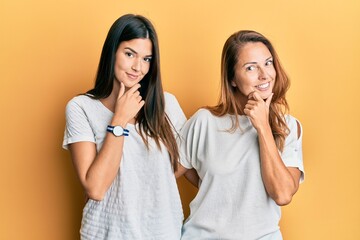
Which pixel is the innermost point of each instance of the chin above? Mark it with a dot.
(265, 96)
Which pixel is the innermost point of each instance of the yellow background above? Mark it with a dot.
(49, 51)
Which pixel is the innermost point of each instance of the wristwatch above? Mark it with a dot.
(117, 130)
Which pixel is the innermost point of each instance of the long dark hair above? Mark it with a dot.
(152, 119)
(228, 101)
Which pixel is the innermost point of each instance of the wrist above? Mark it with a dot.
(264, 129)
(118, 131)
(118, 122)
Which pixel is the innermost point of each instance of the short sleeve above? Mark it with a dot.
(77, 127)
(184, 142)
(191, 142)
(292, 155)
(174, 111)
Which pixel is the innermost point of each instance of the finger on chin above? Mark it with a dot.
(251, 95)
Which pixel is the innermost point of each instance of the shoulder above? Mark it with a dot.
(203, 113)
(202, 116)
(80, 104)
(170, 98)
(80, 100)
(200, 125)
(171, 103)
(174, 111)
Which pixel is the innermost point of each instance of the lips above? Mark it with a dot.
(263, 86)
(132, 76)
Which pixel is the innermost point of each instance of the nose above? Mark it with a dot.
(262, 74)
(136, 66)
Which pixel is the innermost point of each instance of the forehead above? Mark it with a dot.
(253, 52)
(141, 46)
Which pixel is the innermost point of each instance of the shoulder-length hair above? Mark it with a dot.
(228, 103)
(152, 118)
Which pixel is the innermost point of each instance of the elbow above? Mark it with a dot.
(283, 200)
(95, 195)
(180, 170)
(284, 196)
(94, 190)
(178, 174)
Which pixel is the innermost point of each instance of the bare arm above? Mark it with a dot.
(190, 174)
(281, 182)
(97, 171)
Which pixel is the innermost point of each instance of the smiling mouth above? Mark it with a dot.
(263, 86)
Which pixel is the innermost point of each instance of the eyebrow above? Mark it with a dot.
(132, 50)
(256, 62)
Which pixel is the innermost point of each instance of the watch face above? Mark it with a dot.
(118, 131)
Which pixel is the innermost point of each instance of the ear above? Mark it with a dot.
(233, 83)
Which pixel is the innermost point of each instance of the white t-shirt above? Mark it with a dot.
(143, 201)
(232, 202)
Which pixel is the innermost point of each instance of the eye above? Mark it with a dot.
(147, 59)
(250, 68)
(269, 63)
(129, 54)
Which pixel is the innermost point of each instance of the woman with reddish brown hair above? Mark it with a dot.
(246, 150)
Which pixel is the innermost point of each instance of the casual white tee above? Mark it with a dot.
(232, 202)
(143, 202)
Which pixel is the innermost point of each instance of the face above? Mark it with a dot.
(254, 71)
(132, 61)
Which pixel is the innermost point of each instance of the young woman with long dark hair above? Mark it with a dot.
(122, 139)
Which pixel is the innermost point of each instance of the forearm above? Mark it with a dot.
(180, 170)
(190, 175)
(278, 180)
(104, 168)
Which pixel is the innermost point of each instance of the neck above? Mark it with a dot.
(241, 101)
(110, 101)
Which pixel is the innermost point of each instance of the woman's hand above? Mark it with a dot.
(127, 105)
(258, 110)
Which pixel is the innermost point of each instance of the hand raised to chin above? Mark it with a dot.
(257, 110)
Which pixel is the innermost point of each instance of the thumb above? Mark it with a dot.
(268, 100)
(121, 90)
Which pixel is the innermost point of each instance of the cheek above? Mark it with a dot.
(245, 88)
(119, 63)
(272, 73)
(245, 84)
(119, 68)
(146, 69)
(273, 77)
